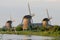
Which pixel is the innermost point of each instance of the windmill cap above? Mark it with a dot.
(27, 16)
(9, 21)
(45, 19)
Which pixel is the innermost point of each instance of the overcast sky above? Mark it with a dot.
(18, 8)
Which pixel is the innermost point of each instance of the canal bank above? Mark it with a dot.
(45, 33)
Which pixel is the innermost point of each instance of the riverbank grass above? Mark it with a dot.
(40, 33)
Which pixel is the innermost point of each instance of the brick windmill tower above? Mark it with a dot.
(27, 20)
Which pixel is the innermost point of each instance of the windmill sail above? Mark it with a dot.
(48, 16)
(10, 17)
(29, 9)
(47, 13)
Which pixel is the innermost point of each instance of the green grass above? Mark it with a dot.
(40, 33)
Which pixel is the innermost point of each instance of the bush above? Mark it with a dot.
(0, 29)
(56, 28)
(18, 28)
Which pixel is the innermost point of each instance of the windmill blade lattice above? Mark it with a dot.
(48, 16)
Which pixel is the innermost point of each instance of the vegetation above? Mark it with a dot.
(18, 28)
(41, 31)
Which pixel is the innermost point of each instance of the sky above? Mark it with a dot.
(18, 8)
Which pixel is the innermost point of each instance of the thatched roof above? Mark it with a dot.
(9, 21)
(45, 19)
(27, 16)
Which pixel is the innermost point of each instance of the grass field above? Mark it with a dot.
(45, 33)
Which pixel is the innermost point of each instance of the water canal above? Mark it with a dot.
(23, 37)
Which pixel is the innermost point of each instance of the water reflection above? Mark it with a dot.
(22, 37)
(14, 37)
(27, 37)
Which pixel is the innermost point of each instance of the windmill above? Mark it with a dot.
(46, 21)
(8, 24)
(27, 20)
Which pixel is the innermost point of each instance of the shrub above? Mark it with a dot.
(56, 28)
(18, 28)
